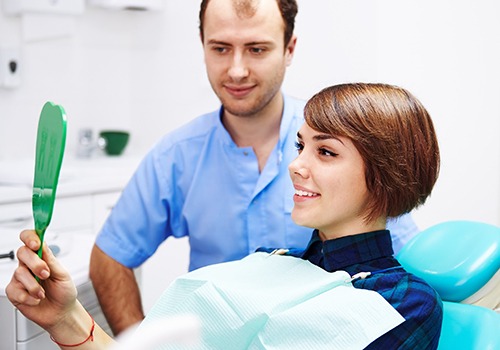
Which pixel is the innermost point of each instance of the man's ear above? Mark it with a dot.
(290, 49)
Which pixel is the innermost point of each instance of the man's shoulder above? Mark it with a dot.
(293, 116)
(294, 104)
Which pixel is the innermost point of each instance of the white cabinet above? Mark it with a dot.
(17, 332)
(84, 199)
(72, 231)
(82, 204)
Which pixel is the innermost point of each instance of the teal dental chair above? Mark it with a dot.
(461, 260)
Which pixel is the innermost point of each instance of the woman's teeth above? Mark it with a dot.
(304, 193)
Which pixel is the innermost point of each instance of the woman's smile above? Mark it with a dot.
(302, 194)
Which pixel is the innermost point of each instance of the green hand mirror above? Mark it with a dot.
(50, 141)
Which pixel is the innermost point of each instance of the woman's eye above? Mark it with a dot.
(325, 152)
(299, 147)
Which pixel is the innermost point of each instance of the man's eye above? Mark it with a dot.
(256, 50)
(219, 49)
(299, 147)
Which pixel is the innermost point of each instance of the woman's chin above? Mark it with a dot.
(302, 219)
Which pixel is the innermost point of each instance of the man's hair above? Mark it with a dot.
(288, 10)
(395, 136)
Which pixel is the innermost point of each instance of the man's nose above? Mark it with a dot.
(238, 69)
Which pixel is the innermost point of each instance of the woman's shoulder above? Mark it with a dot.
(407, 293)
(418, 303)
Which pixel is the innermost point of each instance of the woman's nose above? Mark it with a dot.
(298, 167)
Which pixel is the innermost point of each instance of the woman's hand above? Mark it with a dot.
(52, 303)
(46, 303)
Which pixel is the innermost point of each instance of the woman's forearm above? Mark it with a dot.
(78, 330)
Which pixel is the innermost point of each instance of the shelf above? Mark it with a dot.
(63, 7)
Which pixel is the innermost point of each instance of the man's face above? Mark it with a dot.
(245, 55)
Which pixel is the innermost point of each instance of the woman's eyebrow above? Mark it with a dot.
(321, 137)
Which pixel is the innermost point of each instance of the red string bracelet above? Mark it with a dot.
(90, 337)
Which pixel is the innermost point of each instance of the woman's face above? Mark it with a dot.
(330, 188)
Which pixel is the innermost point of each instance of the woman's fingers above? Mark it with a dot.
(24, 289)
(50, 265)
(30, 239)
(32, 262)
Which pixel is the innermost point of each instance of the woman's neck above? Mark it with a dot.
(354, 228)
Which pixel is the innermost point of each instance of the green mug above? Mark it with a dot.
(114, 141)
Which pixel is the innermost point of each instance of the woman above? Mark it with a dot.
(366, 152)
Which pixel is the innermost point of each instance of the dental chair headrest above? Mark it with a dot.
(460, 259)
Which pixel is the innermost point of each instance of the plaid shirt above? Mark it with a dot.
(414, 299)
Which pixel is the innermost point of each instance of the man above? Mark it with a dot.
(222, 179)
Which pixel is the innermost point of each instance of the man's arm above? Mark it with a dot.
(117, 291)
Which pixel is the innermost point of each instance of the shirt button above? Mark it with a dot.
(245, 153)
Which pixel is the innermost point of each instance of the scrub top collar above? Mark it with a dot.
(286, 121)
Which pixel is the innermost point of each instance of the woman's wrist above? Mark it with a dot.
(78, 330)
(90, 337)
(75, 327)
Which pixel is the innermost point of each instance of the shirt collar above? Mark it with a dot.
(290, 111)
(337, 254)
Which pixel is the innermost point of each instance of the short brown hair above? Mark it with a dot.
(288, 10)
(395, 136)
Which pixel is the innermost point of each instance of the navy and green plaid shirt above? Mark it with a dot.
(414, 299)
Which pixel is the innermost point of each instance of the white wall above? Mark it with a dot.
(449, 57)
(144, 71)
(448, 54)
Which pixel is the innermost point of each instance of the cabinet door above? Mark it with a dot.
(14, 218)
(40, 342)
(72, 213)
(16, 215)
(8, 324)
